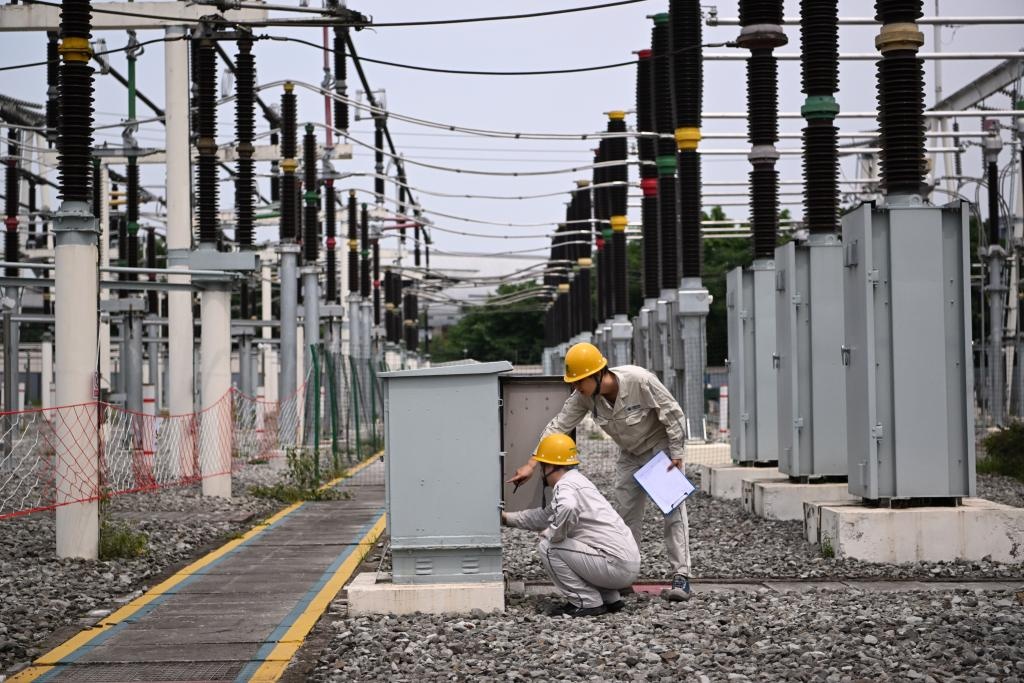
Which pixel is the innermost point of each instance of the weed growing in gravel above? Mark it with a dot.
(1004, 452)
(827, 551)
(304, 480)
(120, 541)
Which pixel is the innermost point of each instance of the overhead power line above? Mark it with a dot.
(477, 72)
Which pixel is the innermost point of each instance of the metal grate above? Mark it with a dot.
(159, 671)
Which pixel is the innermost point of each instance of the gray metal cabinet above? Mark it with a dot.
(811, 376)
(442, 441)
(528, 402)
(910, 420)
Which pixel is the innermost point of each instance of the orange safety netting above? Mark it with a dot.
(80, 453)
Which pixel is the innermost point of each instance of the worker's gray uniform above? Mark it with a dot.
(586, 549)
(644, 420)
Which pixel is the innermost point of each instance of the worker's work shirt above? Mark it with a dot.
(644, 419)
(578, 511)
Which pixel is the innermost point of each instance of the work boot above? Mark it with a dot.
(614, 607)
(574, 611)
(680, 590)
(628, 590)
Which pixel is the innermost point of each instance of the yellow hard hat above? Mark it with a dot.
(557, 449)
(583, 360)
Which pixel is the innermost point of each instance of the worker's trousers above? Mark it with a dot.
(585, 576)
(630, 500)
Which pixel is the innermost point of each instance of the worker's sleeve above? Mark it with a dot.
(536, 519)
(670, 415)
(572, 413)
(566, 514)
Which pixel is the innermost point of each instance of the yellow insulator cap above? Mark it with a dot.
(289, 86)
(899, 36)
(563, 288)
(353, 245)
(289, 165)
(616, 115)
(389, 306)
(584, 262)
(687, 139)
(619, 223)
(74, 49)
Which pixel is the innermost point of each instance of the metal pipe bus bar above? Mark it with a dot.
(869, 56)
(714, 20)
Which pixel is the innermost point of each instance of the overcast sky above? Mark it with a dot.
(572, 103)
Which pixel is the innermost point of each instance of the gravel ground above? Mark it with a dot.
(40, 594)
(728, 543)
(720, 636)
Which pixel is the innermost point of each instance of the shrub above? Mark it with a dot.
(120, 541)
(1004, 452)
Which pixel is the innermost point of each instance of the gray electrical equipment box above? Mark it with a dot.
(811, 377)
(910, 418)
(442, 433)
(528, 402)
(753, 416)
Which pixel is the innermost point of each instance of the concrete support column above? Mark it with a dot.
(104, 250)
(310, 312)
(153, 345)
(287, 384)
(996, 292)
(180, 342)
(215, 373)
(77, 457)
(131, 365)
(694, 303)
(245, 383)
(11, 346)
(46, 372)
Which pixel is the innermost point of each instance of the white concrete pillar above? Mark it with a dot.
(180, 343)
(46, 372)
(104, 249)
(215, 373)
(77, 458)
(270, 374)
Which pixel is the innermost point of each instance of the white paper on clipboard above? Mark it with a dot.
(666, 487)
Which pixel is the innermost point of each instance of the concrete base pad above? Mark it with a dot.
(976, 530)
(784, 499)
(726, 481)
(366, 595)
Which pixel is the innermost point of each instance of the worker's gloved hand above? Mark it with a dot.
(504, 519)
(523, 473)
(677, 463)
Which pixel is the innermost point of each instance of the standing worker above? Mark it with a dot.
(585, 547)
(636, 410)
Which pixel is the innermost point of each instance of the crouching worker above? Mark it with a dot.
(585, 547)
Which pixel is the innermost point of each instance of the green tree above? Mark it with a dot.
(513, 332)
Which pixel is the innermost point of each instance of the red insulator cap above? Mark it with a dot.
(331, 242)
(376, 284)
(643, 54)
(12, 223)
(649, 186)
(600, 243)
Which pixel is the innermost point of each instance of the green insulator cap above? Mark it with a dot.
(309, 127)
(820, 107)
(1020, 104)
(666, 165)
(311, 196)
(606, 233)
(133, 228)
(660, 18)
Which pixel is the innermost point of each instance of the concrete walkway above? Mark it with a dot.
(241, 612)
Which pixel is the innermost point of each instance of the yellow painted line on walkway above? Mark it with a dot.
(48, 661)
(279, 658)
(354, 470)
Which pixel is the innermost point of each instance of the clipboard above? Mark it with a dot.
(667, 488)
